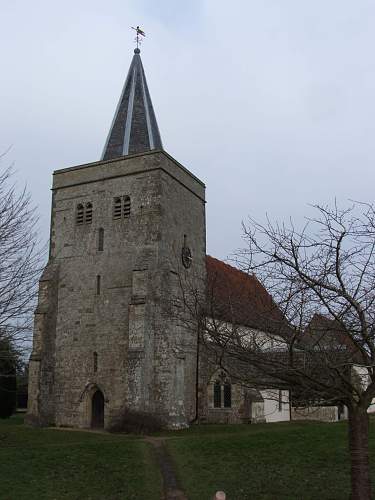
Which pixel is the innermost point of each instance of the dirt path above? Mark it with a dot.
(172, 490)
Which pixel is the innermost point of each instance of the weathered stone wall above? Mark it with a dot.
(237, 414)
(41, 400)
(247, 405)
(142, 359)
(183, 222)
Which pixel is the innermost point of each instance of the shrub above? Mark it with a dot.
(136, 422)
(8, 382)
(32, 420)
(22, 385)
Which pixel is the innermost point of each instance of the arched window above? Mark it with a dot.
(217, 394)
(222, 391)
(101, 239)
(95, 361)
(227, 389)
(126, 206)
(88, 213)
(79, 214)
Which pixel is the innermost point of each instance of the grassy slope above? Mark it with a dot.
(53, 464)
(273, 461)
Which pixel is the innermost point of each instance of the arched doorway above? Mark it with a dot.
(97, 410)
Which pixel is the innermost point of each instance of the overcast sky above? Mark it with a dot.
(269, 102)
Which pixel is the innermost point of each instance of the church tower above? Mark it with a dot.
(127, 236)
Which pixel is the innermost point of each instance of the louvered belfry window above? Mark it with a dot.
(121, 207)
(84, 213)
(126, 210)
(88, 213)
(79, 214)
(117, 207)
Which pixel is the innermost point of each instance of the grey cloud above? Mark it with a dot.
(270, 103)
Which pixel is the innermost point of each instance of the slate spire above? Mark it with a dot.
(134, 127)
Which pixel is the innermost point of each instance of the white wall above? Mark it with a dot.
(364, 380)
(249, 337)
(271, 406)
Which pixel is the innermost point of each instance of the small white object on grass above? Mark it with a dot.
(220, 495)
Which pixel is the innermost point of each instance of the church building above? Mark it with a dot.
(123, 231)
(127, 235)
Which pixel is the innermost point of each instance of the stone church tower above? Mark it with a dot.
(126, 231)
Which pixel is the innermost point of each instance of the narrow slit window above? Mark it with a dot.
(127, 206)
(117, 207)
(101, 239)
(98, 285)
(95, 361)
(79, 214)
(227, 395)
(217, 395)
(280, 400)
(88, 213)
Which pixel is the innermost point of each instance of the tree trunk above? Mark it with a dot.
(359, 456)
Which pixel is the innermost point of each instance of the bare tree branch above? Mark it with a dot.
(21, 259)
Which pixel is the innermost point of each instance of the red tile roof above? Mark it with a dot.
(238, 297)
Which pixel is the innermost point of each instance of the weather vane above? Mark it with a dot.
(140, 33)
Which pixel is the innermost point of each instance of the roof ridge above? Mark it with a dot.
(250, 277)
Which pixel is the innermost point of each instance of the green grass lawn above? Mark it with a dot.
(298, 461)
(55, 464)
(294, 461)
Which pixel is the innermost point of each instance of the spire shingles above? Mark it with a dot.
(134, 127)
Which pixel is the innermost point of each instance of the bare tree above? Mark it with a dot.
(20, 264)
(317, 334)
